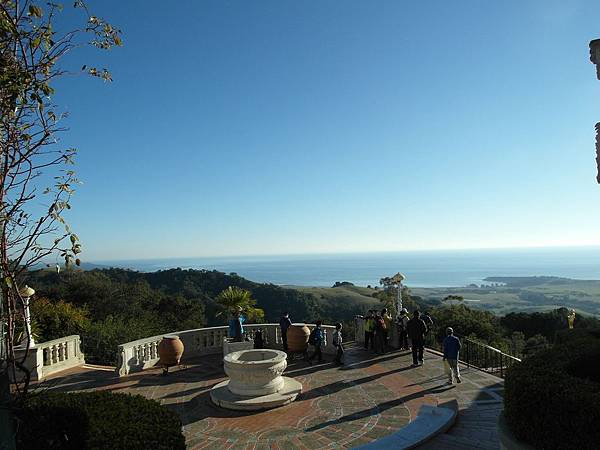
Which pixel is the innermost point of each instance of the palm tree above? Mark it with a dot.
(237, 300)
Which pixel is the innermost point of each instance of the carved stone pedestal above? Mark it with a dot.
(256, 381)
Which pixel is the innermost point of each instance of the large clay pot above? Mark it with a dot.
(170, 350)
(297, 338)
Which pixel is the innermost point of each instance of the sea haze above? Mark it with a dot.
(422, 269)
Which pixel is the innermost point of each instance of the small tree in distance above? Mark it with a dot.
(458, 298)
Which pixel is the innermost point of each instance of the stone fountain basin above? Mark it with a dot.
(255, 372)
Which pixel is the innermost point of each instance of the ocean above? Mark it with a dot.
(422, 269)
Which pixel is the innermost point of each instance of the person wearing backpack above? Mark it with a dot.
(402, 334)
(380, 333)
(315, 338)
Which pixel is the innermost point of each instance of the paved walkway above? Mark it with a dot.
(340, 407)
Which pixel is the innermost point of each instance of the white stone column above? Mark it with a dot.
(26, 293)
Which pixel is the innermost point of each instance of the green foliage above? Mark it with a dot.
(546, 324)
(101, 341)
(124, 305)
(121, 308)
(97, 420)
(54, 320)
(458, 298)
(535, 344)
(237, 300)
(466, 322)
(552, 399)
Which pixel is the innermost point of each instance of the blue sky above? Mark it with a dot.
(273, 127)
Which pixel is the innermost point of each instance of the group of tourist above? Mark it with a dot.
(377, 326)
(411, 336)
(316, 339)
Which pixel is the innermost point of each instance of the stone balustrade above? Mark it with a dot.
(142, 354)
(54, 356)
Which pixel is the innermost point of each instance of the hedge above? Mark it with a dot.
(96, 420)
(552, 399)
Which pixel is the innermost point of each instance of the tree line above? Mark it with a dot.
(108, 307)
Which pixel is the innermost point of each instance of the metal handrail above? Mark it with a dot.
(481, 356)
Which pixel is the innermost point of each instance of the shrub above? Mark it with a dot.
(552, 399)
(97, 420)
(58, 319)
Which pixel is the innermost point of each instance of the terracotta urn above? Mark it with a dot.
(297, 337)
(170, 350)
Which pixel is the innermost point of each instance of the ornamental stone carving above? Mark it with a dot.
(255, 372)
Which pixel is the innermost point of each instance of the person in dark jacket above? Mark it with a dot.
(379, 334)
(284, 324)
(451, 346)
(416, 330)
(402, 321)
(316, 340)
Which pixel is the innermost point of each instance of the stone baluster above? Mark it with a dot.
(54, 355)
(270, 333)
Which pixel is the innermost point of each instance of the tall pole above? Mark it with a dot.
(399, 300)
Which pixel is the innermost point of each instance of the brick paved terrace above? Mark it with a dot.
(340, 407)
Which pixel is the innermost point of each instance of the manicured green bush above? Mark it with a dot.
(565, 336)
(97, 420)
(552, 399)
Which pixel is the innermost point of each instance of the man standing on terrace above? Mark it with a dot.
(416, 330)
(284, 324)
(451, 347)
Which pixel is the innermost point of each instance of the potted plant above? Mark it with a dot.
(239, 306)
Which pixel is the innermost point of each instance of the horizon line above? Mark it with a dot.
(353, 252)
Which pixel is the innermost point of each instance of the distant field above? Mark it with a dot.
(525, 294)
(509, 294)
(346, 298)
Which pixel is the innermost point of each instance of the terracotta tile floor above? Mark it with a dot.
(340, 407)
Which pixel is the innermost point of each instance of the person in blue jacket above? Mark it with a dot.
(236, 327)
(316, 339)
(451, 346)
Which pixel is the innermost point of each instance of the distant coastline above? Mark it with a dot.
(445, 268)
